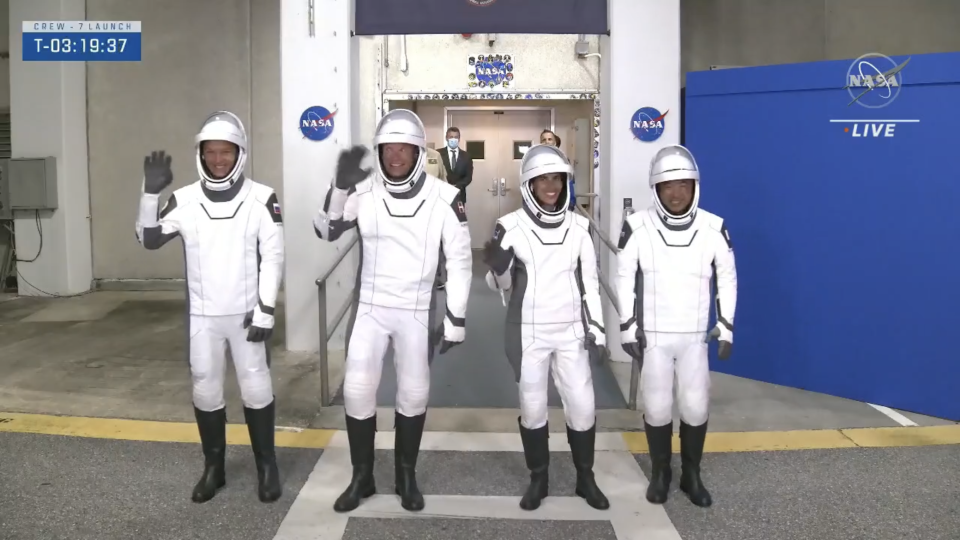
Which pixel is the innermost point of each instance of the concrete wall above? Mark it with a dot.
(761, 32)
(201, 56)
(198, 57)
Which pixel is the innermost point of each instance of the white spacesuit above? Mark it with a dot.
(232, 235)
(668, 257)
(405, 217)
(544, 255)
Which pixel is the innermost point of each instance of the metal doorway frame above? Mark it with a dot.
(448, 110)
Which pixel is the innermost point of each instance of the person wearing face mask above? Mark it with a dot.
(405, 219)
(232, 233)
(551, 138)
(544, 255)
(669, 255)
(457, 162)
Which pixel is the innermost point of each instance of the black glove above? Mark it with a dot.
(255, 333)
(724, 348)
(437, 339)
(635, 349)
(349, 172)
(593, 350)
(157, 173)
(497, 258)
(447, 345)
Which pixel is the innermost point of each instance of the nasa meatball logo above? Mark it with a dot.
(874, 81)
(647, 124)
(481, 3)
(316, 123)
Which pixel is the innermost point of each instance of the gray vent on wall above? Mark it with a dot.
(5, 144)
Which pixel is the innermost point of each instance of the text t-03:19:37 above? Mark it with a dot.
(83, 45)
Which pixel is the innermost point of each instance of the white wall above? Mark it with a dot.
(635, 75)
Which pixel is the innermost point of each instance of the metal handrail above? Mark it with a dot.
(605, 285)
(327, 331)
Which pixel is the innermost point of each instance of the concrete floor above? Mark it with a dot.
(852, 470)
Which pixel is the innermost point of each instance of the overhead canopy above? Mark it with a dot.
(386, 17)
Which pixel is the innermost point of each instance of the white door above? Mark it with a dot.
(496, 141)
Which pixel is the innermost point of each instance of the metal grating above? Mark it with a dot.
(5, 143)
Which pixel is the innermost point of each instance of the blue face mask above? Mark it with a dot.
(453, 143)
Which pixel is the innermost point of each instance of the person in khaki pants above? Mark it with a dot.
(434, 165)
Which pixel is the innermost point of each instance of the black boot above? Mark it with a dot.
(660, 442)
(361, 434)
(691, 450)
(582, 447)
(536, 450)
(213, 439)
(261, 424)
(409, 431)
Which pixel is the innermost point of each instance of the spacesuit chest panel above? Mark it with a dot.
(221, 249)
(677, 269)
(549, 256)
(401, 246)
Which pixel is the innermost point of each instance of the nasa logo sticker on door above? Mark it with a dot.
(316, 123)
(647, 124)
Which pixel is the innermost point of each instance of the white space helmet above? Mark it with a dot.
(222, 126)
(539, 160)
(675, 162)
(401, 126)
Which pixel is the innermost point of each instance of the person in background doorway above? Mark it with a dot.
(551, 138)
(434, 165)
(669, 254)
(232, 235)
(457, 162)
(544, 255)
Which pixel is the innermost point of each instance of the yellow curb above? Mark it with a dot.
(813, 439)
(147, 430)
(747, 441)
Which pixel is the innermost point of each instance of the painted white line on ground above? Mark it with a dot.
(482, 442)
(467, 506)
(311, 517)
(894, 415)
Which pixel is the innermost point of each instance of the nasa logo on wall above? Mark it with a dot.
(647, 124)
(490, 71)
(481, 3)
(316, 123)
(874, 80)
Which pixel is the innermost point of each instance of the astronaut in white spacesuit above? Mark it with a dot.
(668, 257)
(232, 234)
(405, 217)
(544, 255)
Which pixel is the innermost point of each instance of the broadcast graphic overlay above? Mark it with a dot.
(874, 81)
(81, 41)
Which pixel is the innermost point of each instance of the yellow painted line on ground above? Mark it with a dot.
(747, 441)
(814, 439)
(146, 430)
